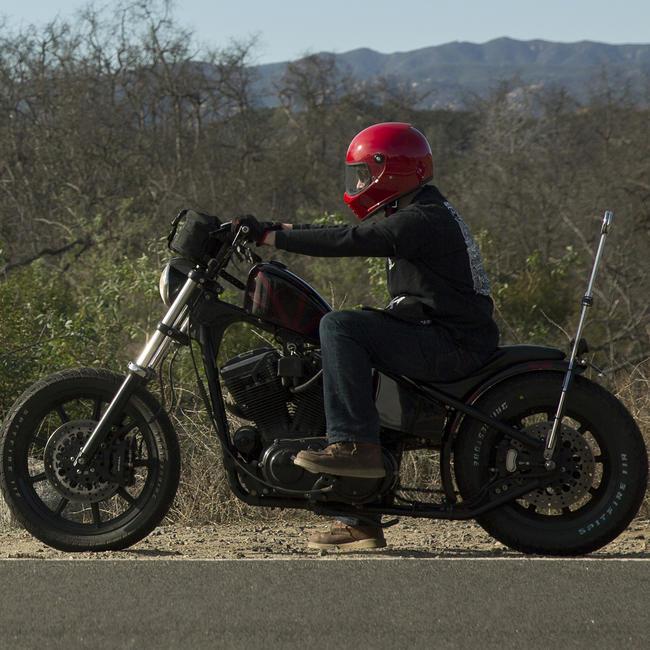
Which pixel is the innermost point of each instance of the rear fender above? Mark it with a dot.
(452, 428)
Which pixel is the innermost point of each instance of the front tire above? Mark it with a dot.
(44, 430)
(599, 434)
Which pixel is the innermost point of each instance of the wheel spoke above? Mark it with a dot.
(97, 520)
(126, 496)
(97, 409)
(62, 414)
(61, 506)
(37, 478)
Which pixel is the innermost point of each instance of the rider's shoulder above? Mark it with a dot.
(430, 213)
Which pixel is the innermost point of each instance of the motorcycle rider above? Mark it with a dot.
(438, 325)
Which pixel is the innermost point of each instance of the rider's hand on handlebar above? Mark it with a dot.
(257, 230)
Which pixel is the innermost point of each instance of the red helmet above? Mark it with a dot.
(383, 163)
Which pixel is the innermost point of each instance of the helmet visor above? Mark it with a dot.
(357, 178)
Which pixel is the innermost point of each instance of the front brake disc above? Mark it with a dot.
(91, 483)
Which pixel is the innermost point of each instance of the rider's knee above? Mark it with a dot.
(333, 322)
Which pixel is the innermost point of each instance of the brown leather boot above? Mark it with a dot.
(357, 459)
(348, 538)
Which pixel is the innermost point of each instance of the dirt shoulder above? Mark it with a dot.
(286, 540)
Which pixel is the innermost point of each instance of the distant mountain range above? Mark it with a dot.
(448, 73)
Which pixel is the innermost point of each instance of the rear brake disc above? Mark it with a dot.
(575, 461)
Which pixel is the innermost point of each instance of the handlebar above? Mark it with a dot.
(226, 229)
(231, 245)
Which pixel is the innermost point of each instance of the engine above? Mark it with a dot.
(282, 396)
(261, 383)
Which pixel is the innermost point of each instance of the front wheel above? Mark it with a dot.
(600, 450)
(115, 501)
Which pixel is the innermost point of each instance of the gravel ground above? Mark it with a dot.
(286, 540)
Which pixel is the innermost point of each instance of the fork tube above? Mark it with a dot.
(587, 302)
(183, 326)
(140, 370)
(143, 362)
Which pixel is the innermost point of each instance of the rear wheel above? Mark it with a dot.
(600, 450)
(120, 496)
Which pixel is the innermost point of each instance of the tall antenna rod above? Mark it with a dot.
(587, 302)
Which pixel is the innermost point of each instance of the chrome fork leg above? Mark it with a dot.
(141, 370)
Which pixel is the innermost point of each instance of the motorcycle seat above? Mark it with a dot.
(504, 357)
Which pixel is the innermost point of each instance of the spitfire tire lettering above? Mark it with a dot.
(480, 438)
(613, 505)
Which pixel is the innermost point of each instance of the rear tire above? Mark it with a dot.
(620, 465)
(114, 516)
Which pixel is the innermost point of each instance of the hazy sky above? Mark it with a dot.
(289, 28)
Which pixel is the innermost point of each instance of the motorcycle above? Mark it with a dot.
(546, 460)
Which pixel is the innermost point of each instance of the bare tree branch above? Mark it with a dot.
(44, 252)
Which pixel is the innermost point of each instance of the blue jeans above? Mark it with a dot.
(355, 342)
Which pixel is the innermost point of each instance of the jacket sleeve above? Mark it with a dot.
(337, 241)
(403, 234)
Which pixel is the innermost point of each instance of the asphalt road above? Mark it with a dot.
(392, 603)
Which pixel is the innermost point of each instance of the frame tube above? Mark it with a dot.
(438, 395)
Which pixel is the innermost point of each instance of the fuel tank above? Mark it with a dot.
(278, 296)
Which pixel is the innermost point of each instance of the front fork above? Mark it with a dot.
(173, 328)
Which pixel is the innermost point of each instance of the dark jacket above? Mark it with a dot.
(434, 267)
